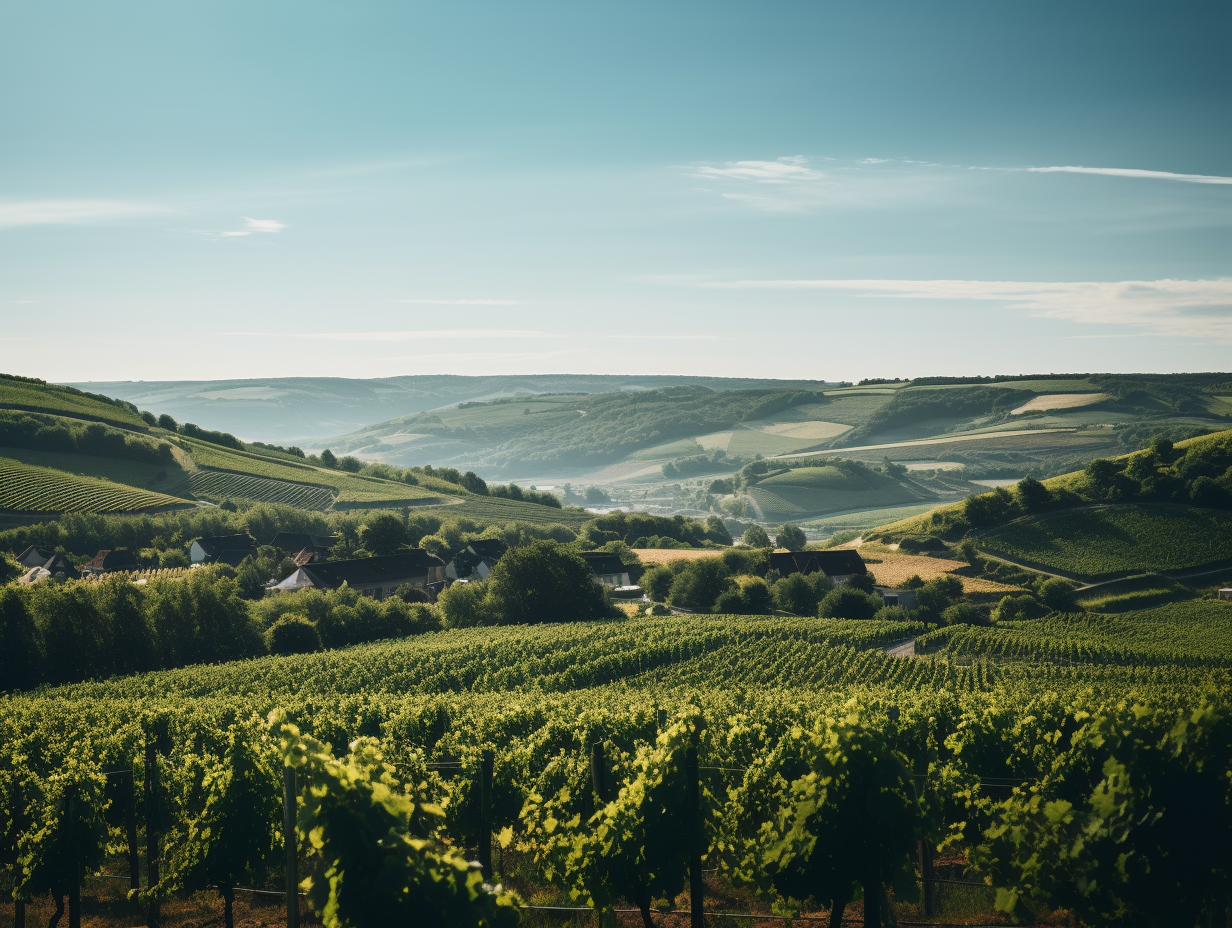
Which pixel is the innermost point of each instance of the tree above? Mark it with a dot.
(473, 482)
(383, 533)
(229, 841)
(1032, 495)
(19, 642)
(350, 464)
(699, 584)
(465, 605)
(544, 582)
(378, 855)
(791, 537)
(755, 537)
(328, 459)
(657, 582)
(1057, 595)
(166, 422)
(796, 595)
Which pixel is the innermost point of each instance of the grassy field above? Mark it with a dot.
(1132, 593)
(861, 520)
(806, 490)
(889, 568)
(1094, 542)
(25, 488)
(490, 509)
(15, 394)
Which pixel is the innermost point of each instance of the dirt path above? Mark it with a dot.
(903, 649)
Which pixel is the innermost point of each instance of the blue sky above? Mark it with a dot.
(829, 190)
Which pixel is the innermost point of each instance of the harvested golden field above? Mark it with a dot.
(894, 568)
(1059, 401)
(664, 555)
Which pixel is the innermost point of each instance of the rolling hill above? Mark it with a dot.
(808, 491)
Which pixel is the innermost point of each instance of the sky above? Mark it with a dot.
(806, 190)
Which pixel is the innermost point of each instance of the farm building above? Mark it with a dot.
(608, 568)
(837, 564)
(33, 556)
(476, 560)
(1226, 593)
(904, 598)
(44, 564)
(106, 562)
(294, 544)
(222, 549)
(378, 577)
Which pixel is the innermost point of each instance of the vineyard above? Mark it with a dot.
(1098, 542)
(219, 485)
(490, 509)
(543, 739)
(15, 394)
(348, 488)
(25, 488)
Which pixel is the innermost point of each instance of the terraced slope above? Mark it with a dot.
(347, 490)
(27, 489)
(219, 485)
(41, 397)
(1098, 542)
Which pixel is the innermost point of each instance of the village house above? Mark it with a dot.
(42, 564)
(222, 549)
(476, 560)
(302, 547)
(378, 577)
(608, 568)
(839, 564)
(108, 562)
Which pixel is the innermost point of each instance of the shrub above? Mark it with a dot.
(893, 614)
(657, 581)
(796, 595)
(755, 537)
(964, 614)
(791, 537)
(699, 584)
(1057, 595)
(293, 634)
(846, 602)
(464, 605)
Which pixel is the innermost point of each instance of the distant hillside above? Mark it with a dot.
(298, 408)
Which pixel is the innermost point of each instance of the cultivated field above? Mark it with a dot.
(220, 485)
(24, 488)
(1094, 542)
(15, 394)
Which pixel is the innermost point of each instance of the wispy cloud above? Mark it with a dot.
(1135, 172)
(479, 356)
(70, 212)
(426, 302)
(408, 335)
(1184, 308)
(793, 169)
(676, 338)
(255, 227)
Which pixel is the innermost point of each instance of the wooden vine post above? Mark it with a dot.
(926, 876)
(130, 828)
(485, 813)
(604, 918)
(696, 838)
(151, 827)
(74, 858)
(288, 837)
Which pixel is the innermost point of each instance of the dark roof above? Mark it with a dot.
(385, 569)
(601, 562)
(233, 556)
(34, 556)
(59, 564)
(490, 548)
(836, 562)
(212, 545)
(112, 560)
(298, 541)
